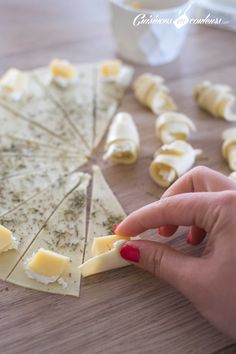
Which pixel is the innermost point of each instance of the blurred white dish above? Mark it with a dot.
(153, 44)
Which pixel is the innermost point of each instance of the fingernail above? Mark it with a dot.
(189, 237)
(115, 227)
(130, 253)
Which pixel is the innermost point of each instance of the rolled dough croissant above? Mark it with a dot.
(229, 147)
(122, 144)
(171, 126)
(172, 161)
(216, 99)
(151, 91)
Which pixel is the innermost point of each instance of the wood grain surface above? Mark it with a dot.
(123, 311)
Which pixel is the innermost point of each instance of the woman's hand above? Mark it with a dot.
(205, 201)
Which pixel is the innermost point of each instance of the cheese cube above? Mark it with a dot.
(105, 243)
(46, 266)
(13, 81)
(63, 69)
(103, 262)
(7, 241)
(111, 68)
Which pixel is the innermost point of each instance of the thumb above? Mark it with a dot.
(179, 270)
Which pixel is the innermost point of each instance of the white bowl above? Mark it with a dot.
(153, 44)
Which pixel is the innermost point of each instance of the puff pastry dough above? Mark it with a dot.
(109, 258)
(172, 161)
(122, 144)
(171, 126)
(150, 90)
(216, 99)
(229, 147)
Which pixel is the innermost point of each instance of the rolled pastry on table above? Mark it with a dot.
(216, 99)
(171, 161)
(171, 126)
(122, 143)
(150, 90)
(229, 147)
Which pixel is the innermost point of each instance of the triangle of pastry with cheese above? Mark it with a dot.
(74, 94)
(105, 212)
(62, 237)
(26, 221)
(110, 90)
(36, 106)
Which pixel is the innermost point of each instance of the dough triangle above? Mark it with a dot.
(64, 233)
(26, 221)
(105, 210)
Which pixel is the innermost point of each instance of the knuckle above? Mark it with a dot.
(200, 171)
(228, 198)
(156, 261)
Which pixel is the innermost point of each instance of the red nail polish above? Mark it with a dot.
(189, 237)
(114, 228)
(130, 253)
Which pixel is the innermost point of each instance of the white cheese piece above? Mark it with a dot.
(122, 143)
(171, 126)
(7, 240)
(105, 211)
(104, 262)
(172, 161)
(150, 90)
(64, 233)
(105, 243)
(62, 72)
(14, 85)
(110, 68)
(109, 93)
(27, 219)
(216, 99)
(46, 266)
(115, 71)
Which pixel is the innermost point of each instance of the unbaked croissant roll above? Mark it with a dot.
(229, 147)
(171, 161)
(151, 91)
(171, 126)
(122, 144)
(218, 100)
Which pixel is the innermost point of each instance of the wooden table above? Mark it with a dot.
(124, 311)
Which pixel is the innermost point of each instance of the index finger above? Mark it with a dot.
(183, 209)
(200, 179)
